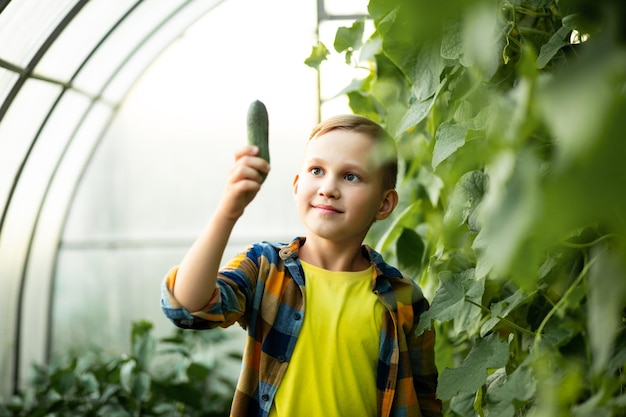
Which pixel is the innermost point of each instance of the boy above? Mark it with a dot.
(331, 326)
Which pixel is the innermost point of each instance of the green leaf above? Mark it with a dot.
(593, 407)
(349, 38)
(185, 393)
(520, 386)
(109, 392)
(89, 383)
(619, 401)
(488, 353)
(141, 384)
(319, 54)
(417, 111)
(197, 371)
(508, 213)
(126, 375)
(565, 103)
(406, 219)
(452, 42)
(554, 45)
(591, 150)
(467, 195)
(502, 309)
(114, 410)
(482, 41)
(607, 300)
(412, 22)
(143, 343)
(560, 332)
(463, 404)
(425, 72)
(449, 299)
(432, 184)
(355, 86)
(62, 380)
(363, 104)
(410, 250)
(448, 138)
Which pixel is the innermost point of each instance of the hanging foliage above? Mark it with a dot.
(510, 120)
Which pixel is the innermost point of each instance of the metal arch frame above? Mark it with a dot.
(322, 16)
(95, 146)
(28, 73)
(24, 75)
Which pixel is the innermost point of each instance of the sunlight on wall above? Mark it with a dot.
(161, 168)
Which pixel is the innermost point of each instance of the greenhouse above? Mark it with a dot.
(119, 122)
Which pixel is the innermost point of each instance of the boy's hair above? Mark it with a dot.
(387, 146)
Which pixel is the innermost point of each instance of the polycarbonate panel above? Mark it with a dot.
(16, 135)
(26, 24)
(81, 36)
(24, 209)
(111, 293)
(132, 69)
(120, 45)
(36, 301)
(346, 7)
(19, 127)
(335, 75)
(7, 80)
(151, 185)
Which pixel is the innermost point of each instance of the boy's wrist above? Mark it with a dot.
(227, 214)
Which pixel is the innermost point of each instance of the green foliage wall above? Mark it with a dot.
(510, 119)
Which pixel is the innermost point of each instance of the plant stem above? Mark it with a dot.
(525, 10)
(503, 319)
(560, 303)
(587, 244)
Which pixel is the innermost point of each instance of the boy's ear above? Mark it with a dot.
(295, 183)
(388, 204)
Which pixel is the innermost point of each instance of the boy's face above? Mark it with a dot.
(339, 192)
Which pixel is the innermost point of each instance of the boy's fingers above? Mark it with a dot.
(250, 170)
(257, 163)
(248, 150)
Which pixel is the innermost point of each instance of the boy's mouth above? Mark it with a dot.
(326, 208)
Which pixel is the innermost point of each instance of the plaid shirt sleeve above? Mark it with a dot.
(227, 304)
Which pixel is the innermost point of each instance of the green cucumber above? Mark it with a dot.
(258, 130)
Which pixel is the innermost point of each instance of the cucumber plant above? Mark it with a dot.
(509, 118)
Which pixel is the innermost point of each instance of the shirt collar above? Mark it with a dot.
(382, 269)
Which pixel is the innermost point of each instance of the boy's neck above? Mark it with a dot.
(334, 256)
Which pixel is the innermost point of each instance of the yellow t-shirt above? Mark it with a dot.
(332, 372)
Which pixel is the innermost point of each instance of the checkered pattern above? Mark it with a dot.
(262, 290)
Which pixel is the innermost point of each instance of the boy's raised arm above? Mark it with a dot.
(197, 273)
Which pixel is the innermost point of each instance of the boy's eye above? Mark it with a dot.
(352, 177)
(316, 171)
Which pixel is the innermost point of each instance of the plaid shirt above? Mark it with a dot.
(262, 290)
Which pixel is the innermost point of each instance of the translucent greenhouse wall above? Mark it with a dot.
(108, 172)
(65, 66)
(151, 186)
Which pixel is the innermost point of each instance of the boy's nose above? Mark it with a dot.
(328, 188)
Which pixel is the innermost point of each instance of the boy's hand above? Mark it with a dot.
(243, 183)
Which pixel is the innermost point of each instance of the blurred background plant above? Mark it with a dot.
(510, 120)
(176, 376)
